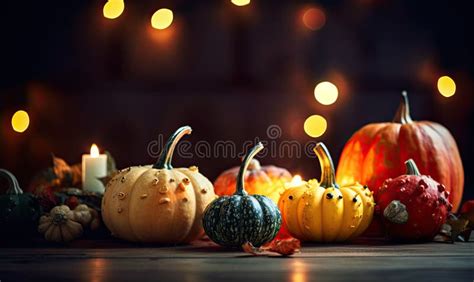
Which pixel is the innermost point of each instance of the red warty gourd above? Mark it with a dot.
(414, 206)
(378, 151)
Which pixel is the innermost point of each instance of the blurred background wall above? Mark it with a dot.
(230, 72)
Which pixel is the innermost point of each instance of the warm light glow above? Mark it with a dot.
(113, 9)
(326, 93)
(446, 86)
(315, 126)
(162, 18)
(296, 180)
(314, 18)
(240, 2)
(20, 121)
(94, 151)
(298, 271)
(95, 269)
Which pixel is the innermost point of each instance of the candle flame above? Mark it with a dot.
(94, 151)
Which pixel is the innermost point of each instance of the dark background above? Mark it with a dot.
(227, 71)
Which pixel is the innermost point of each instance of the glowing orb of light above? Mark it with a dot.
(20, 121)
(240, 2)
(315, 126)
(162, 18)
(446, 86)
(326, 93)
(314, 18)
(113, 9)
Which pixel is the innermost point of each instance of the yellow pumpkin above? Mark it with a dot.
(158, 203)
(323, 211)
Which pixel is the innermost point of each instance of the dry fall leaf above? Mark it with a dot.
(284, 247)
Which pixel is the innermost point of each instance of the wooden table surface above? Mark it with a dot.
(362, 261)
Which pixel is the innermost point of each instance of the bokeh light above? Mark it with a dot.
(314, 18)
(113, 9)
(240, 2)
(162, 19)
(326, 93)
(446, 86)
(20, 121)
(315, 126)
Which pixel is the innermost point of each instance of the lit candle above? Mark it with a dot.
(94, 166)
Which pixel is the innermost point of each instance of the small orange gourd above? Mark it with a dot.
(262, 180)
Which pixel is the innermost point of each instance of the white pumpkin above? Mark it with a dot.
(158, 203)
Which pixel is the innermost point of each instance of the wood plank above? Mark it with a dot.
(363, 262)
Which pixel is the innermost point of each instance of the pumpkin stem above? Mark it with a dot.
(396, 212)
(328, 178)
(412, 169)
(164, 161)
(403, 113)
(243, 168)
(13, 186)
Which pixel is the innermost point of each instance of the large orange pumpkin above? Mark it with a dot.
(262, 180)
(377, 152)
